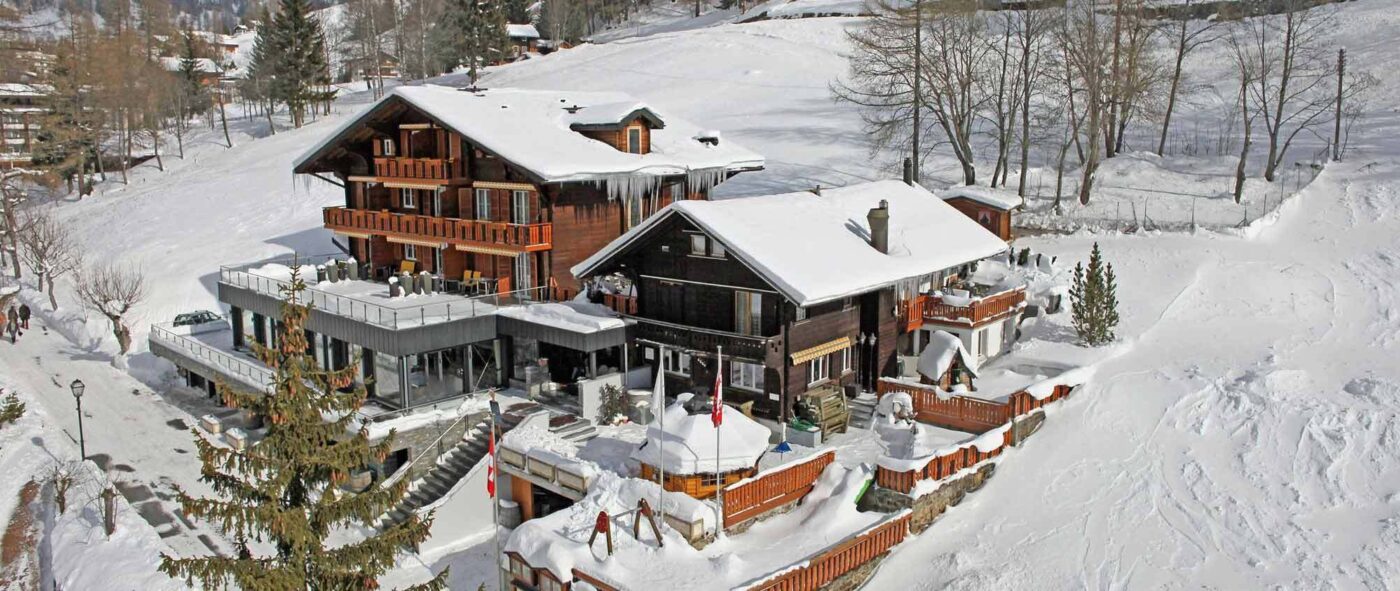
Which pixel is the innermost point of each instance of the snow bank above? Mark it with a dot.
(579, 317)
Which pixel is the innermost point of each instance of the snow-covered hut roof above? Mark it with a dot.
(526, 31)
(938, 355)
(690, 441)
(1003, 200)
(535, 130)
(814, 248)
(202, 64)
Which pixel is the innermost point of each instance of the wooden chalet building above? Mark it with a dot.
(803, 291)
(523, 39)
(504, 190)
(990, 207)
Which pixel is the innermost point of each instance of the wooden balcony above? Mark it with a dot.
(699, 339)
(495, 236)
(418, 169)
(979, 311)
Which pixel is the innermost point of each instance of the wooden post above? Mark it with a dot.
(644, 510)
(602, 524)
(109, 510)
(1337, 117)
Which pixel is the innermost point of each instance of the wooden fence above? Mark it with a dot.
(939, 467)
(756, 496)
(957, 412)
(840, 559)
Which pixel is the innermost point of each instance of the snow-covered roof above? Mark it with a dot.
(522, 31)
(690, 441)
(939, 352)
(202, 64)
(22, 89)
(579, 317)
(532, 130)
(997, 198)
(814, 249)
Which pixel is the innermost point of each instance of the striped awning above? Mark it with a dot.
(503, 251)
(416, 242)
(811, 353)
(352, 233)
(395, 183)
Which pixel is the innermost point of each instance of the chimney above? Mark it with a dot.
(909, 171)
(879, 219)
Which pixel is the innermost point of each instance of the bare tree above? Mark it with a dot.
(956, 75)
(1087, 50)
(1190, 35)
(49, 251)
(882, 79)
(1292, 70)
(112, 291)
(13, 194)
(1032, 28)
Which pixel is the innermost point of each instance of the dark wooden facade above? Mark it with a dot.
(417, 190)
(691, 302)
(995, 219)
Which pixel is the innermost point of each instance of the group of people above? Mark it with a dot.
(15, 322)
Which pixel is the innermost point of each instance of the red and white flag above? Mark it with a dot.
(717, 410)
(491, 467)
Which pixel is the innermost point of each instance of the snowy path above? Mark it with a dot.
(139, 437)
(1248, 436)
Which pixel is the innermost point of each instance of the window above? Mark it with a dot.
(406, 197)
(985, 218)
(699, 244)
(981, 337)
(634, 211)
(634, 140)
(521, 571)
(388, 147)
(818, 370)
(410, 252)
(523, 280)
(748, 312)
(709, 479)
(437, 260)
(716, 249)
(746, 375)
(520, 207)
(677, 362)
(801, 313)
(846, 360)
(483, 204)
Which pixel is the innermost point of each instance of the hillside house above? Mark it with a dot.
(22, 108)
(523, 39)
(809, 293)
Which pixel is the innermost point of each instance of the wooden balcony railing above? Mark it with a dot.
(512, 237)
(699, 339)
(980, 310)
(423, 169)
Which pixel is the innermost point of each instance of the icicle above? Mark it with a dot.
(700, 180)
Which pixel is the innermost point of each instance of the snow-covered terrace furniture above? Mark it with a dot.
(689, 451)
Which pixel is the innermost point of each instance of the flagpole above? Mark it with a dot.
(659, 403)
(495, 504)
(719, 420)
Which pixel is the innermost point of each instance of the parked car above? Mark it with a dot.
(195, 318)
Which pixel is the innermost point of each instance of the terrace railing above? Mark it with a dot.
(701, 339)
(392, 317)
(765, 492)
(978, 311)
(426, 169)
(839, 559)
(230, 363)
(510, 237)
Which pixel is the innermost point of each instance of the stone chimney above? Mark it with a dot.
(879, 219)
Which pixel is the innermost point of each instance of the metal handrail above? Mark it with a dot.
(370, 312)
(255, 373)
(402, 472)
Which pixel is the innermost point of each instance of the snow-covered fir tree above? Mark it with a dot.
(1094, 301)
(477, 31)
(285, 491)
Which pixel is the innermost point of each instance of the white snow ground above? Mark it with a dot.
(1243, 438)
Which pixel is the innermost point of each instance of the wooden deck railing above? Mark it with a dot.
(620, 303)
(840, 558)
(513, 237)
(699, 339)
(939, 467)
(424, 169)
(757, 496)
(963, 413)
(979, 311)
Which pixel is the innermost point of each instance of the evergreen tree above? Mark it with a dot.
(613, 409)
(11, 409)
(517, 12)
(195, 98)
(476, 30)
(300, 73)
(1094, 300)
(284, 490)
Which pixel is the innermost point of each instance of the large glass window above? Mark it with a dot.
(699, 245)
(677, 362)
(520, 207)
(483, 204)
(386, 377)
(748, 312)
(818, 370)
(634, 140)
(746, 375)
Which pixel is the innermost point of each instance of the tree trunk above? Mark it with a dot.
(1171, 93)
(223, 119)
(123, 334)
(270, 126)
(1091, 160)
(53, 299)
(1244, 150)
(155, 146)
(1026, 101)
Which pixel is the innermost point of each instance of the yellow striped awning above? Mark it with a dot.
(398, 183)
(503, 251)
(811, 353)
(503, 185)
(416, 241)
(351, 233)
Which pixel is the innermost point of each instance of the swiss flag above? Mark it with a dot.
(491, 468)
(717, 409)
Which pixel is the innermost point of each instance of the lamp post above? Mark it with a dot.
(77, 388)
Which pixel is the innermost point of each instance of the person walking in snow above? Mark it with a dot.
(13, 314)
(24, 316)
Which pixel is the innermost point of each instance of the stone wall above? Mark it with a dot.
(421, 440)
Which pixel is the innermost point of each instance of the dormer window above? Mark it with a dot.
(388, 147)
(634, 140)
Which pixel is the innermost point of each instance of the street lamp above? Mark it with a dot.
(77, 388)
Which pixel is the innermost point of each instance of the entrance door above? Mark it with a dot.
(522, 272)
(519, 207)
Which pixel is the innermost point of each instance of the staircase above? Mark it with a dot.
(451, 467)
(862, 411)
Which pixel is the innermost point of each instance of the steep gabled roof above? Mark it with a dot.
(815, 249)
(532, 129)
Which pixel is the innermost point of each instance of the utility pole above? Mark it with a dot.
(918, 74)
(1337, 117)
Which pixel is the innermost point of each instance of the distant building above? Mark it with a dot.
(523, 38)
(22, 107)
